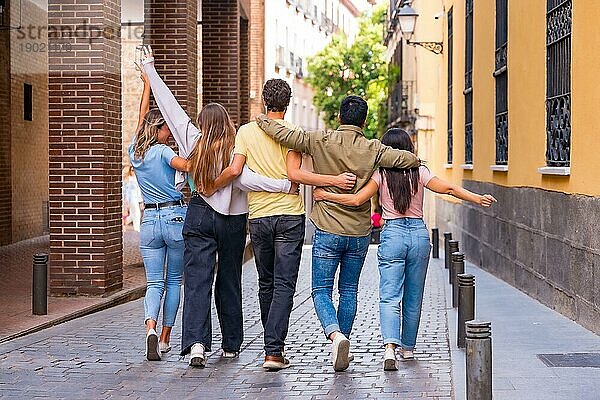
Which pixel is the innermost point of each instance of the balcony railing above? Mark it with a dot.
(401, 105)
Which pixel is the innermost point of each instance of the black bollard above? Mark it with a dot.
(466, 306)
(447, 239)
(39, 293)
(435, 242)
(458, 267)
(479, 360)
(452, 248)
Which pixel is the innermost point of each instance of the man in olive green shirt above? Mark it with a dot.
(342, 233)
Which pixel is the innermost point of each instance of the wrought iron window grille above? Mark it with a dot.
(501, 77)
(468, 92)
(450, 83)
(558, 83)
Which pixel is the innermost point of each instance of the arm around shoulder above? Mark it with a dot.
(393, 158)
(295, 139)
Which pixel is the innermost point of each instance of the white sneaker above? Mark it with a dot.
(152, 351)
(197, 357)
(389, 360)
(406, 354)
(230, 354)
(164, 347)
(341, 349)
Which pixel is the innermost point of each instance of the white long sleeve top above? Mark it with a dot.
(229, 200)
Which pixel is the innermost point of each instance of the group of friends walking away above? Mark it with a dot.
(249, 180)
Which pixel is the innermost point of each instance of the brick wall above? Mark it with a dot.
(220, 55)
(29, 139)
(171, 28)
(257, 56)
(5, 139)
(244, 71)
(85, 147)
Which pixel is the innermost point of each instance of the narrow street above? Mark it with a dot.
(101, 356)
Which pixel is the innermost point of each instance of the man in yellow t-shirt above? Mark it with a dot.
(277, 220)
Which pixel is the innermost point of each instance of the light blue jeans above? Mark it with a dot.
(161, 245)
(403, 258)
(330, 251)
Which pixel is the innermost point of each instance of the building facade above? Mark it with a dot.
(514, 117)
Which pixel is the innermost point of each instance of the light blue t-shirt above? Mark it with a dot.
(155, 175)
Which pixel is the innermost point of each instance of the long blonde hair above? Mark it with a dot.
(212, 153)
(147, 134)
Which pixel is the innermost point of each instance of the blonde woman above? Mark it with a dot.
(161, 241)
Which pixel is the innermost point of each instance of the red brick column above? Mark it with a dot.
(85, 147)
(257, 56)
(221, 55)
(244, 71)
(171, 28)
(5, 137)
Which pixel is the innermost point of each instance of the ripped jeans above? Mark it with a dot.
(161, 245)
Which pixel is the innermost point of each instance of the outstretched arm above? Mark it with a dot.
(440, 186)
(295, 139)
(183, 130)
(353, 200)
(345, 181)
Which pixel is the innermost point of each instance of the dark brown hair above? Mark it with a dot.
(402, 183)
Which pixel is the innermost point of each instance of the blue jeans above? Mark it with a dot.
(403, 258)
(329, 251)
(161, 245)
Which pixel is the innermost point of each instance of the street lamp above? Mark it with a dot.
(407, 17)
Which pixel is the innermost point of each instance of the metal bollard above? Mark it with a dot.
(479, 360)
(458, 267)
(452, 248)
(435, 242)
(39, 292)
(466, 305)
(447, 239)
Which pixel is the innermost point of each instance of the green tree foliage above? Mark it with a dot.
(361, 69)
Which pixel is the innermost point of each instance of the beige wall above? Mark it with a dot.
(29, 172)
(526, 101)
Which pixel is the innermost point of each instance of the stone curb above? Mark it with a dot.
(113, 300)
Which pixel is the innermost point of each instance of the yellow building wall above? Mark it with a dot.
(526, 98)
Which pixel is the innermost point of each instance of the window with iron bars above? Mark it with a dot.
(450, 68)
(558, 83)
(501, 76)
(469, 82)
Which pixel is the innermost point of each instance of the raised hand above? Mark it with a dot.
(345, 181)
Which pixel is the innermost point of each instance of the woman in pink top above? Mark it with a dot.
(404, 251)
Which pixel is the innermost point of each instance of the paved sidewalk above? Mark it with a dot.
(16, 262)
(522, 329)
(102, 355)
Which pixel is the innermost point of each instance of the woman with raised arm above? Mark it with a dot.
(404, 250)
(161, 241)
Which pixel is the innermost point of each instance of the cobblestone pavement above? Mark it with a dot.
(102, 355)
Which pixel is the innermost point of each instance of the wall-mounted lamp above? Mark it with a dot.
(407, 17)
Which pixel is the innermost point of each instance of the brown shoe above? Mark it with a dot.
(275, 363)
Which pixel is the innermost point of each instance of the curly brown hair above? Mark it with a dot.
(276, 94)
